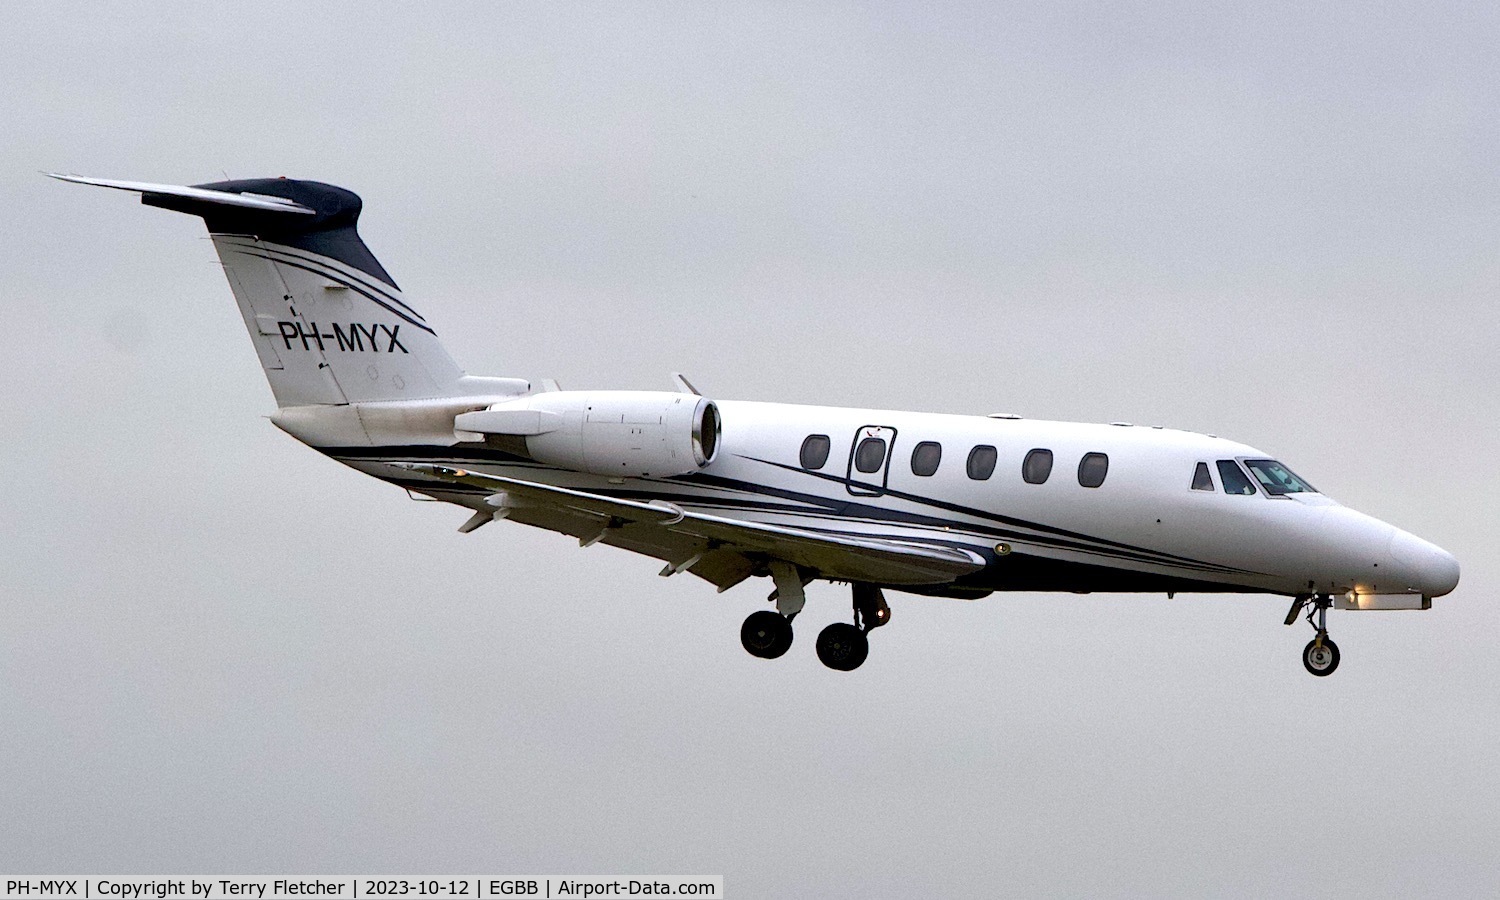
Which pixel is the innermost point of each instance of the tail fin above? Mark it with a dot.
(328, 323)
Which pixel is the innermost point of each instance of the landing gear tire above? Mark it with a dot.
(1320, 659)
(843, 647)
(766, 634)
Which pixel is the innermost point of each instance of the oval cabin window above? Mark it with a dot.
(1037, 467)
(925, 458)
(982, 462)
(815, 451)
(870, 456)
(1092, 469)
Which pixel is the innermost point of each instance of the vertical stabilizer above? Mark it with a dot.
(329, 324)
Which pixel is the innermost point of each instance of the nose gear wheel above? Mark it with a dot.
(1321, 655)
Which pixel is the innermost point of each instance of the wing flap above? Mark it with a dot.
(676, 535)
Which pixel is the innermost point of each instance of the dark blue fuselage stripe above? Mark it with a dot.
(998, 517)
(974, 529)
(835, 509)
(1068, 540)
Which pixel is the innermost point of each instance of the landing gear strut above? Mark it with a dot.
(870, 610)
(768, 634)
(1321, 655)
(843, 646)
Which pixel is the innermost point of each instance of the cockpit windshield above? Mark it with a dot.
(1277, 479)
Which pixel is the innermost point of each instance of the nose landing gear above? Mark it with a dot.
(1321, 655)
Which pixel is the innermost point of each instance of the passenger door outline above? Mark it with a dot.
(870, 484)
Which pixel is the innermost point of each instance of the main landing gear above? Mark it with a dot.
(767, 634)
(843, 647)
(1321, 655)
(840, 646)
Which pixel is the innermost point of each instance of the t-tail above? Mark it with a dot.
(329, 324)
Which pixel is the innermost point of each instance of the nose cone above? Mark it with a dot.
(1432, 569)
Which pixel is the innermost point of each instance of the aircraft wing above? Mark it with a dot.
(717, 549)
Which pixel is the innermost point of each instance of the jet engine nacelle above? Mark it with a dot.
(628, 434)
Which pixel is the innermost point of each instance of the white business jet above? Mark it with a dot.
(940, 505)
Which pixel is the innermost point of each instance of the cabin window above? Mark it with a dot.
(870, 456)
(982, 462)
(1037, 467)
(925, 458)
(1202, 481)
(1234, 480)
(1277, 479)
(815, 451)
(1092, 469)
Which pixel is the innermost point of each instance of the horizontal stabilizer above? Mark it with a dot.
(261, 202)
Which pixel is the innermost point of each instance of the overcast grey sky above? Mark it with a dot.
(220, 652)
